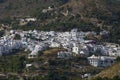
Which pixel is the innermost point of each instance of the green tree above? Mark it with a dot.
(116, 77)
(17, 37)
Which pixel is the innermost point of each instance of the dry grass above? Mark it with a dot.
(53, 51)
(111, 72)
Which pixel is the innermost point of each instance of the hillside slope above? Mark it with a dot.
(111, 72)
(85, 7)
(23, 7)
(67, 14)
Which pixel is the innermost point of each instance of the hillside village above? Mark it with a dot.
(59, 40)
(99, 55)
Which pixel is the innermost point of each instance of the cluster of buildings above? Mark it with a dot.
(73, 41)
(101, 61)
(24, 21)
(9, 45)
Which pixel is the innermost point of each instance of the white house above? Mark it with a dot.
(74, 34)
(64, 54)
(28, 65)
(54, 44)
(38, 47)
(101, 61)
(76, 49)
(30, 19)
(33, 54)
(114, 51)
(80, 49)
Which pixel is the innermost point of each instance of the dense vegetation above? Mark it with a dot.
(45, 67)
(2, 33)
